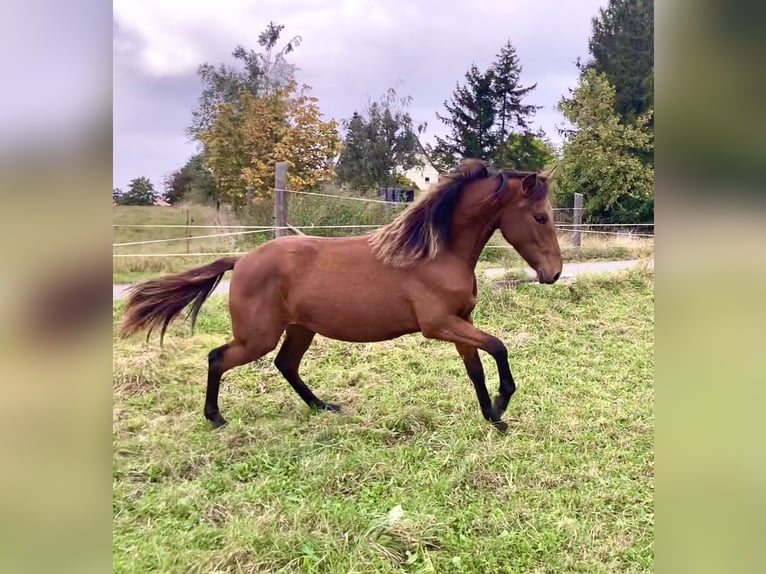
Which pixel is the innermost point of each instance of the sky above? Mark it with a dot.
(351, 51)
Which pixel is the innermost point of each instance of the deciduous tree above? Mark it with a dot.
(601, 155)
(287, 125)
(191, 182)
(226, 154)
(259, 73)
(525, 151)
(380, 142)
(140, 192)
(309, 144)
(243, 145)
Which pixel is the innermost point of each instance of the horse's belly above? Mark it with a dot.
(372, 334)
(337, 289)
(368, 321)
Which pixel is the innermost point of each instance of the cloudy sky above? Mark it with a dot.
(351, 50)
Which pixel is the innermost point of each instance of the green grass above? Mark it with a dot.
(409, 478)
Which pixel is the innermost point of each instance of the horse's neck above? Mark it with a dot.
(468, 242)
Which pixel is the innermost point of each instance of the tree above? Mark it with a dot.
(508, 94)
(517, 145)
(352, 168)
(225, 152)
(192, 181)
(488, 118)
(287, 125)
(261, 73)
(471, 118)
(526, 151)
(216, 121)
(177, 184)
(601, 155)
(622, 47)
(308, 144)
(380, 142)
(140, 192)
(243, 144)
(202, 189)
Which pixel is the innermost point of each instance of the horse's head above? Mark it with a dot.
(526, 222)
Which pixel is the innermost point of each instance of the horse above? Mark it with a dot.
(416, 274)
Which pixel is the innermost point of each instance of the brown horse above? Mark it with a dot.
(413, 275)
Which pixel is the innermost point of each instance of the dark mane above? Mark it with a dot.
(419, 232)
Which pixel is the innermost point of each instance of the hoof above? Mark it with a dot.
(217, 420)
(328, 407)
(501, 426)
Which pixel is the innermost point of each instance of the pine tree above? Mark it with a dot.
(512, 114)
(352, 167)
(471, 119)
(622, 47)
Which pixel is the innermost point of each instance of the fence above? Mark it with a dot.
(567, 220)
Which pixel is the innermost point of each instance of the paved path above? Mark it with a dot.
(570, 270)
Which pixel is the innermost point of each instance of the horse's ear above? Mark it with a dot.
(528, 184)
(549, 173)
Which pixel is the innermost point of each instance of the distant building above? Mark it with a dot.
(423, 176)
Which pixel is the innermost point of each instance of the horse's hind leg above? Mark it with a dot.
(227, 357)
(297, 342)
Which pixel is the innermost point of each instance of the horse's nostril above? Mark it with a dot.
(556, 276)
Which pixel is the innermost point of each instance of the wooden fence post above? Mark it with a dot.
(188, 231)
(576, 236)
(280, 200)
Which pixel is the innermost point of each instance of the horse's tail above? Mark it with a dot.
(156, 302)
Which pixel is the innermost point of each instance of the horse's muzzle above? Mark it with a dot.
(543, 277)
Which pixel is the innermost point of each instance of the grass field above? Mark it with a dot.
(127, 269)
(408, 478)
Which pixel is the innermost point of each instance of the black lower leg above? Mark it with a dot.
(507, 384)
(214, 374)
(288, 361)
(306, 393)
(476, 374)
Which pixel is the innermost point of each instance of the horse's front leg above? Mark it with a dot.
(473, 366)
(462, 332)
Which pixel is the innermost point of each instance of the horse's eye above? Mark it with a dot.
(540, 218)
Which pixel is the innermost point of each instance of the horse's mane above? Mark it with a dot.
(419, 232)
